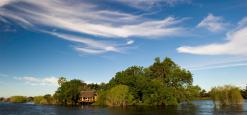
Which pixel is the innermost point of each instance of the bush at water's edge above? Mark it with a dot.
(226, 95)
(18, 99)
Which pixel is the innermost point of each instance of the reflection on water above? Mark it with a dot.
(233, 110)
(202, 107)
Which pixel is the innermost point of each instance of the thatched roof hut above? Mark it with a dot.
(88, 96)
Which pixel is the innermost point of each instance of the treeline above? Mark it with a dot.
(46, 99)
(162, 83)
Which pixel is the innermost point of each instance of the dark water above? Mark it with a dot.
(202, 107)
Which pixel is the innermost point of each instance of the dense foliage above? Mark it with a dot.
(46, 99)
(204, 94)
(69, 91)
(244, 93)
(226, 95)
(18, 99)
(40, 100)
(162, 83)
(119, 96)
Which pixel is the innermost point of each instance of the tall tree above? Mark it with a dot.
(68, 92)
(170, 73)
(134, 78)
(61, 80)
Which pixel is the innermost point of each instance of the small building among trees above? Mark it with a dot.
(87, 97)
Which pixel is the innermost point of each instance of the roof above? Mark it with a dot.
(87, 93)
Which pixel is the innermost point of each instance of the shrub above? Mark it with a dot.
(40, 100)
(101, 98)
(119, 96)
(226, 95)
(18, 99)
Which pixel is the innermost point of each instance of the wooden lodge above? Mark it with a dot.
(87, 97)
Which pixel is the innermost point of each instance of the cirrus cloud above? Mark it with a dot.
(130, 42)
(5, 2)
(149, 4)
(38, 81)
(90, 19)
(235, 44)
(212, 23)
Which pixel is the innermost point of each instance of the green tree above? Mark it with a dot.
(170, 73)
(68, 92)
(18, 99)
(134, 78)
(119, 96)
(49, 99)
(101, 97)
(204, 94)
(162, 83)
(61, 80)
(170, 84)
(40, 100)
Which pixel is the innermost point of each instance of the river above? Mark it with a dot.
(201, 107)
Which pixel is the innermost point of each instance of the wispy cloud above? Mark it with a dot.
(227, 62)
(90, 51)
(88, 18)
(5, 2)
(90, 46)
(149, 4)
(91, 20)
(38, 81)
(235, 44)
(213, 23)
(155, 28)
(130, 42)
(218, 66)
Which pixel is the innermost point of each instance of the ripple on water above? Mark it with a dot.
(201, 107)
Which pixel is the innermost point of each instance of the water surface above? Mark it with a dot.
(202, 107)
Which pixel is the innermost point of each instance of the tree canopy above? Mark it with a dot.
(69, 91)
(162, 83)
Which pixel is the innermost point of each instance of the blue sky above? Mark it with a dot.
(91, 40)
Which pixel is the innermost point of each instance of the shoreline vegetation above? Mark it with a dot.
(162, 83)
(226, 95)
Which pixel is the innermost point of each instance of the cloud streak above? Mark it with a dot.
(130, 42)
(91, 46)
(212, 23)
(38, 81)
(5, 2)
(218, 66)
(235, 44)
(87, 18)
(149, 4)
(92, 21)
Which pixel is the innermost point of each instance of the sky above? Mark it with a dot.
(91, 40)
